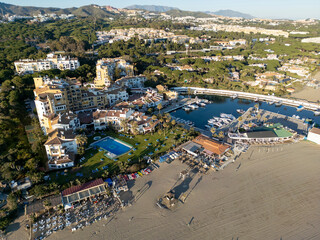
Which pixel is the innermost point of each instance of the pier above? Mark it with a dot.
(245, 95)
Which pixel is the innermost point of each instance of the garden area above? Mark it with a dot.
(94, 163)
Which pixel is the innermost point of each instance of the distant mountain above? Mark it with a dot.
(92, 10)
(28, 11)
(106, 11)
(231, 13)
(84, 11)
(152, 8)
(180, 13)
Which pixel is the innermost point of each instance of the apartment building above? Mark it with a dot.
(66, 121)
(103, 118)
(54, 96)
(61, 148)
(110, 69)
(51, 62)
(131, 82)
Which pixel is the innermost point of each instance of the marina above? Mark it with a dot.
(236, 107)
(251, 96)
(219, 122)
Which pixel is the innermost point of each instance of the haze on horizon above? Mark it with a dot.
(290, 9)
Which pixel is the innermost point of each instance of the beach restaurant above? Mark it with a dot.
(272, 133)
(207, 146)
(81, 192)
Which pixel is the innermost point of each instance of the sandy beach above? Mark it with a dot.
(274, 194)
(308, 93)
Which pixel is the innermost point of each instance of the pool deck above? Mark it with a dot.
(110, 154)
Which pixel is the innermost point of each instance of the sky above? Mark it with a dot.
(292, 9)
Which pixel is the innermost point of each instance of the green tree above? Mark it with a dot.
(159, 107)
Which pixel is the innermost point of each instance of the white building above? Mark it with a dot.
(117, 95)
(103, 118)
(61, 148)
(314, 135)
(131, 81)
(51, 62)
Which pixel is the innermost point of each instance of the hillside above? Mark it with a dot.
(180, 13)
(84, 11)
(231, 13)
(152, 8)
(92, 10)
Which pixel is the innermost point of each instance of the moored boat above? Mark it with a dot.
(241, 111)
(316, 113)
(300, 108)
(278, 104)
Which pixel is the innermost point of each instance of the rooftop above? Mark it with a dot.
(82, 187)
(211, 145)
(315, 130)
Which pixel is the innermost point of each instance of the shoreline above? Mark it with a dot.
(271, 195)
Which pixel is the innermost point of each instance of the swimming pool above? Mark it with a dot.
(114, 146)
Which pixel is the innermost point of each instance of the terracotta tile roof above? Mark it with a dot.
(85, 117)
(82, 187)
(53, 141)
(211, 145)
(55, 136)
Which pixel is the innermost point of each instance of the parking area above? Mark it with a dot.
(83, 214)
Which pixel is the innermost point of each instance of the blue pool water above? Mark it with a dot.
(113, 146)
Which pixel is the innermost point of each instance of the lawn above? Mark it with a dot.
(155, 143)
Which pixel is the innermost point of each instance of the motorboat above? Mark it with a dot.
(316, 113)
(193, 106)
(300, 108)
(241, 111)
(278, 104)
(234, 96)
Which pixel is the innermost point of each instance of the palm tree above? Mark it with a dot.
(221, 134)
(47, 204)
(258, 117)
(124, 125)
(105, 174)
(134, 128)
(81, 140)
(239, 121)
(165, 125)
(159, 106)
(123, 166)
(213, 131)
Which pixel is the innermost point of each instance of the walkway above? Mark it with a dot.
(259, 97)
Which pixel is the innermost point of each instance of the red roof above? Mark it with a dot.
(82, 187)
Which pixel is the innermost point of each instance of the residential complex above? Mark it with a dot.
(51, 62)
(54, 96)
(147, 34)
(238, 28)
(110, 69)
